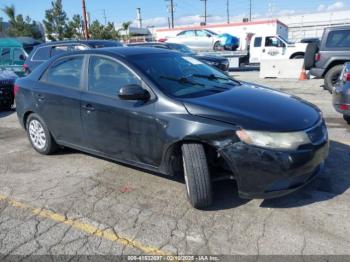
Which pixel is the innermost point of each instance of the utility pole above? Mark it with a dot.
(104, 16)
(228, 10)
(205, 11)
(86, 30)
(171, 9)
(139, 19)
(250, 10)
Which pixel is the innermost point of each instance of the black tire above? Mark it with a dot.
(217, 46)
(197, 176)
(298, 57)
(332, 76)
(309, 58)
(50, 146)
(347, 119)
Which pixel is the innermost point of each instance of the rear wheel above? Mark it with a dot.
(197, 177)
(332, 77)
(39, 135)
(347, 119)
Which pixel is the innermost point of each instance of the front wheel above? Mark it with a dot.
(197, 177)
(39, 135)
(347, 119)
(332, 77)
(217, 46)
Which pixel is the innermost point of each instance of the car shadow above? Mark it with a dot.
(7, 113)
(332, 182)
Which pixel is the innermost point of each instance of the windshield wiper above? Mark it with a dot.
(182, 80)
(214, 77)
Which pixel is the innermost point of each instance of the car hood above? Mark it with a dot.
(211, 58)
(256, 108)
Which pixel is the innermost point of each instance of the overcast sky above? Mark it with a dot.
(155, 12)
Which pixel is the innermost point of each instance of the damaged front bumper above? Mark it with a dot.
(266, 173)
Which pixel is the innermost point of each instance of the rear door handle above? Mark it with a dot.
(89, 108)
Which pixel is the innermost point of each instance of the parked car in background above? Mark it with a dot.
(12, 55)
(7, 80)
(173, 114)
(326, 59)
(217, 61)
(44, 52)
(341, 93)
(310, 40)
(205, 40)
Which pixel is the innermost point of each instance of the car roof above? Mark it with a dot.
(122, 51)
(86, 42)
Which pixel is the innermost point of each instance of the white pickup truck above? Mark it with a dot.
(264, 48)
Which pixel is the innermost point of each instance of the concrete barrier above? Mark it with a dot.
(282, 68)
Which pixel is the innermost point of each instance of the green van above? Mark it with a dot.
(12, 55)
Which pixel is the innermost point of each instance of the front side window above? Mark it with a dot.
(107, 77)
(66, 72)
(18, 55)
(201, 33)
(5, 58)
(273, 41)
(339, 38)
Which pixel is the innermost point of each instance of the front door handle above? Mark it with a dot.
(89, 108)
(40, 97)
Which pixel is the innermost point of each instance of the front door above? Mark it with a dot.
(114, 127)
(57, 96)
(274, 49)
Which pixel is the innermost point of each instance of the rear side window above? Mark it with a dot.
(257, 42)
(338, 39)
(107, 77)
(42, 54)
(66, 72)
(57, 50)
(5, 58)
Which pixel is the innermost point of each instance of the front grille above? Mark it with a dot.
(318, 134)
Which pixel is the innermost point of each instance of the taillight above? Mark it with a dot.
(317, 57)
(15, 89)
(343, 107)
(347, 77)
(162, 40)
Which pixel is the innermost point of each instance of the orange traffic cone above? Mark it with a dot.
(303, 75)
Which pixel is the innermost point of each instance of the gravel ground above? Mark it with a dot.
(72, 203)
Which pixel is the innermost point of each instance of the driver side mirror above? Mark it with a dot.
(208, 35)
(133, 92)
(22, 57)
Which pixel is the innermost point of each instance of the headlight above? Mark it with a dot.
(213, 63)
(274, 140)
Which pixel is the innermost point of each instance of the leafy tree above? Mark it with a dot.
(55, 22)
(20, 26)
(75, 28)
(99, 31)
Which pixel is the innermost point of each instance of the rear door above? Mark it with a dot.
(188, 38)
(256, 49)
(57, 96)
(117, 128)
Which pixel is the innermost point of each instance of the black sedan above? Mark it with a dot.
(220, 62)
(341, 94)
(173, 114)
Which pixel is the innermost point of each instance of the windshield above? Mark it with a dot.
(183, 76)
(181, 48)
